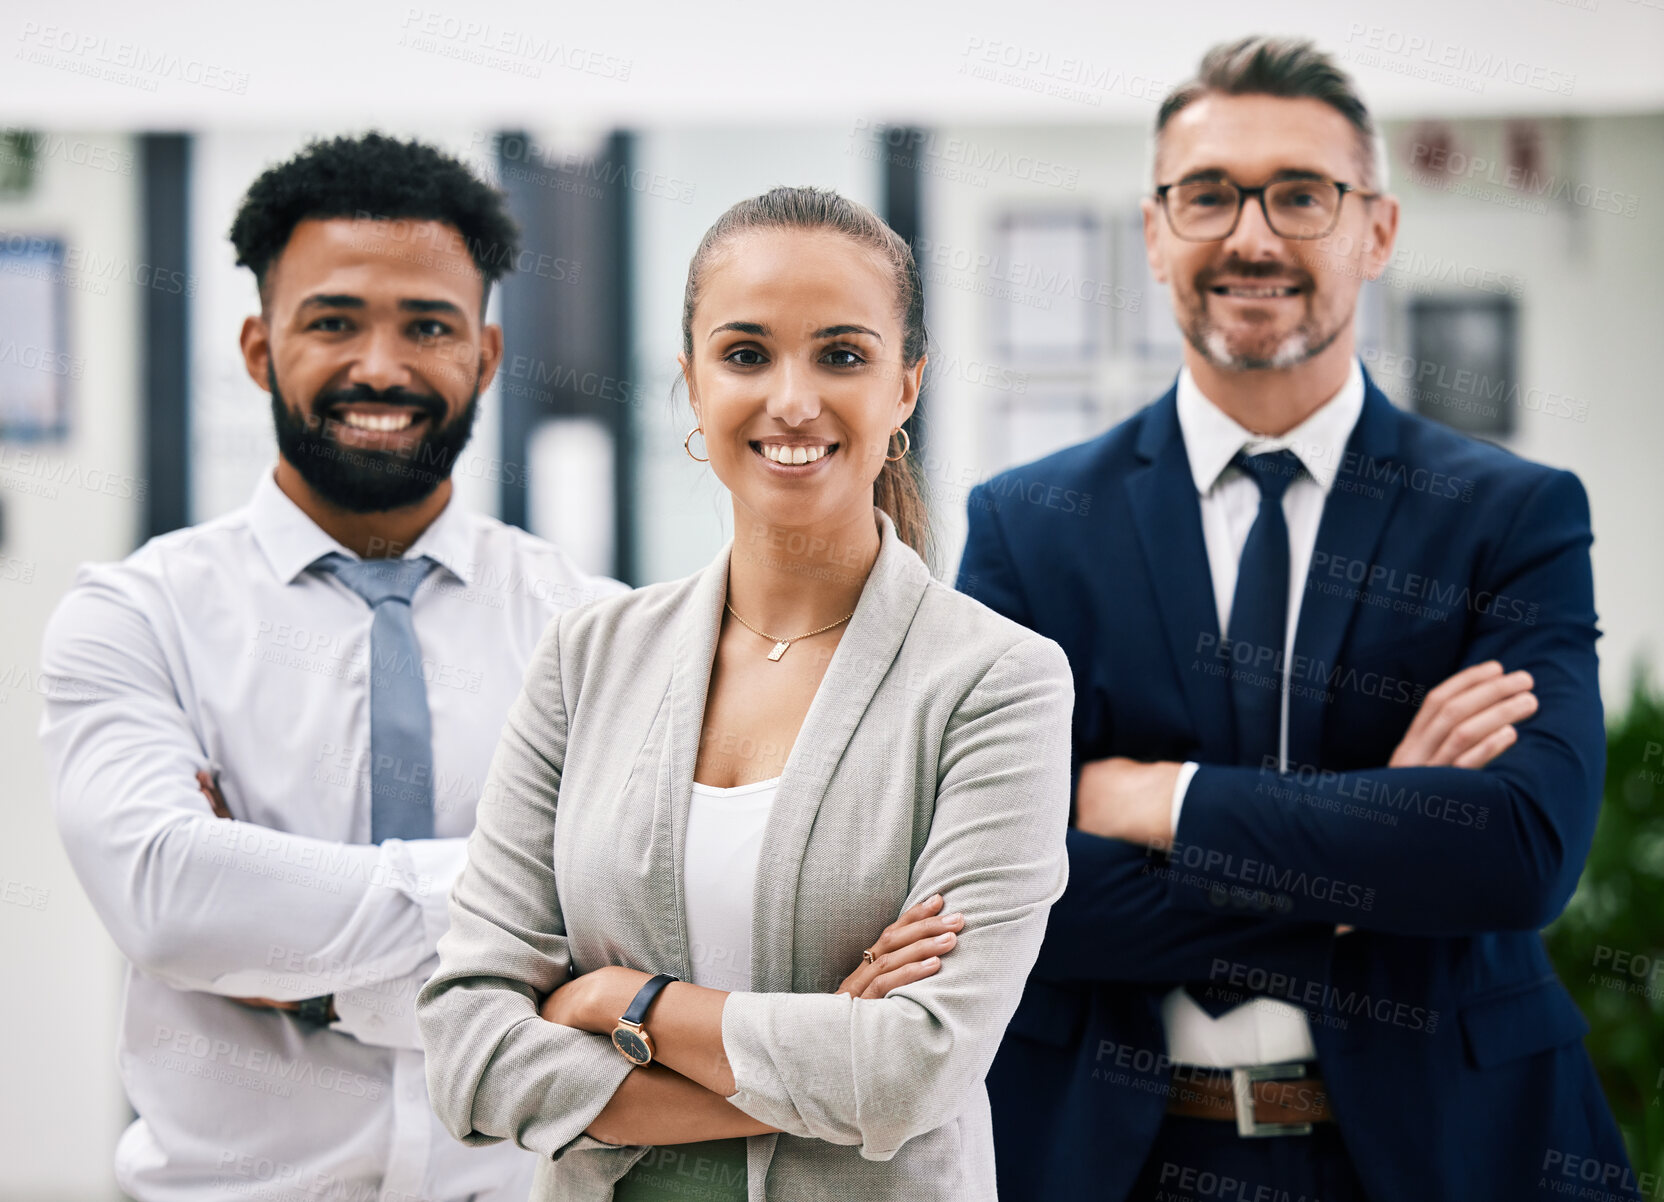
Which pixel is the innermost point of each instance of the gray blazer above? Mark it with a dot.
(934, 758)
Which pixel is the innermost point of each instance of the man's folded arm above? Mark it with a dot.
(202, 902)
(1436, 850)
(1117, 922)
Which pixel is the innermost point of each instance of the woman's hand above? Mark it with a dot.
(910, 949)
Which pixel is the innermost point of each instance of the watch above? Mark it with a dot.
(630, 1037)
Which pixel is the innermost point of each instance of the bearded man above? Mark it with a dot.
(266, 734)
(1337, 729)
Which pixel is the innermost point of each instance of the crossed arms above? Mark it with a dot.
(1537, 789)
(206, 904)
(851, 1070)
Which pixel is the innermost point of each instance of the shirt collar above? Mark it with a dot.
(1212, 439)
(292, 542)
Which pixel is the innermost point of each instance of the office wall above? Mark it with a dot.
(64, 502)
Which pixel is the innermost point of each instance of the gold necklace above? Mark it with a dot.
(781, 646)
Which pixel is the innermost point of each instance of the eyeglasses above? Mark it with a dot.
(1207, 210)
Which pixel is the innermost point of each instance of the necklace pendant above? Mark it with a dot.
(779, 650)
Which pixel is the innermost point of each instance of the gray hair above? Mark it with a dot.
(1293, 68)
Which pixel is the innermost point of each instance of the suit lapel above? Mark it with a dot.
(863, 658)
(1355, 513)
(1168, 517)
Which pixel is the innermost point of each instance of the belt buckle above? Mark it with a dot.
(1242, 1087)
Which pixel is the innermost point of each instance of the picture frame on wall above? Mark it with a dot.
(36, 367)
(1049, 270)
(1465, 351)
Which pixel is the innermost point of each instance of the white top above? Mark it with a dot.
(1262, 1030)
(216, 644)
(719, 873)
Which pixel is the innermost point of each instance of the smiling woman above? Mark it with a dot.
(802, 838)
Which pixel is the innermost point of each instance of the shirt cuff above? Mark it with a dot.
(435, 865)
(383, 1014)
(1180, 786)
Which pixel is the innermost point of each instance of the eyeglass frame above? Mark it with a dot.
(1243, 193)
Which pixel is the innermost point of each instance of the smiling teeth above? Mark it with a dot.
(382, 422)
(1259, 292)
(792, 456)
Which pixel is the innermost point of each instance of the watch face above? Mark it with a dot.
(632, 1045)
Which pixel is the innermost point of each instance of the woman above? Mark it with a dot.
(678, 792)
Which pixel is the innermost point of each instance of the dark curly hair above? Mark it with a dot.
(378, 176)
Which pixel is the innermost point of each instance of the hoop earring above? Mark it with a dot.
(689, 449)
(906, 445)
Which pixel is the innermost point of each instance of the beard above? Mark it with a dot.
(1254, 350)
(366, 481)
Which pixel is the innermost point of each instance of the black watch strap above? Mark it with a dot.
(637, 1013)
(315, 1010)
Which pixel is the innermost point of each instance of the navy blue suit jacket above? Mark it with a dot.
(1451, 1052)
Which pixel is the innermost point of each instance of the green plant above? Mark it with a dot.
(1608, 946)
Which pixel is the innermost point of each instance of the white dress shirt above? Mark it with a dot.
(216, 645)
(719, 877)
(1262, 1030)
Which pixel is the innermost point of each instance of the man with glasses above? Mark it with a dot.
(1338, 730)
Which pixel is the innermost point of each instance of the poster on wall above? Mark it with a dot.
(36, 368)
(1465, 351)
(1051, 268)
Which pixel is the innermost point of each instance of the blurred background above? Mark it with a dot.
(1008, 143)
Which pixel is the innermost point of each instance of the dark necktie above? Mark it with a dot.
(401, 729)
(1259, 612)
(1258, 630)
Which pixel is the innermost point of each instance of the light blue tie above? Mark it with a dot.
(401, 729)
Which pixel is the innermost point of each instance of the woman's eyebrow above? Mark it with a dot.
(834, 331)
(755, 328)
(759, 330)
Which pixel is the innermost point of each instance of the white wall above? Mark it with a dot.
(62, 1106)
(647, 63)
(976, 174)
